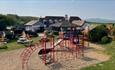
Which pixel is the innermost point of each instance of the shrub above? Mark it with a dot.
(105, 40)
(28, 44)
(32, 34)
(56, 33)
(3, 46)
(18, 32)
(97, 33)
(9, 35)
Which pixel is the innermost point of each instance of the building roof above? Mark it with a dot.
(75, 23)
(72, 18)
(78, 22)
(41, 19)
(56, 25)
(32, 22)
(54, 17)
(62, 24)
(66, 24)
(40, 24)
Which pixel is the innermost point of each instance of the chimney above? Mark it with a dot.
(66, 17)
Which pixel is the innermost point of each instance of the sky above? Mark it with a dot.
(82, 8)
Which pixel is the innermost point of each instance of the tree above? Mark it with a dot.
(113, 33)
(105, 40)
(6, 21)
(2, 22)
(13, 20)
(2, 26)
(97, 33)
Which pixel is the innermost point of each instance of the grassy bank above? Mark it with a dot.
(108, 65)
(13, 45)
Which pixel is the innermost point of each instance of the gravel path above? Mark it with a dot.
(9, 60)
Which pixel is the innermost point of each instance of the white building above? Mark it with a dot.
(34, 25)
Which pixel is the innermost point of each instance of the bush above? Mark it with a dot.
(18, 32)
(56, 33)
(9, 35)
(97, 33)
(28, 44)
(3, 46)
(32, 34)
(105, 40)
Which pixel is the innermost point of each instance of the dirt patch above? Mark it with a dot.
(70, 62)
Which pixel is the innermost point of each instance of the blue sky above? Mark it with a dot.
(83, 8)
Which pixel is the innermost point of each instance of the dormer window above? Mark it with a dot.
(60, 20)
(44, 20)
(66, 17)
(55, 20)
(50, 21)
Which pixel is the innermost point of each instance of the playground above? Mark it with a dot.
(12, 60)
(71, 51)
(65, 52)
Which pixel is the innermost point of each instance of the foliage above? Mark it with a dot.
(105, 40)
(32, 34)
(2, 22)
(110, 50)
(97, 33)
(9, 35)
(113, 33)
(26, 19)
(2, 26)
(12, 20)
(56, 33)
(4, 46)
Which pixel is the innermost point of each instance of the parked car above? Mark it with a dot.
(23, 40)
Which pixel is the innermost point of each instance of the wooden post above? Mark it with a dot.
(44, 47)
(52, 47)
(83, 45)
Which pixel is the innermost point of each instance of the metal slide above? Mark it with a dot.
(50, 49)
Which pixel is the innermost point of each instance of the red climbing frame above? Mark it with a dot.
(44, 50)
(52, 46)
(61, 36)
(82, 45)
(25, 55)
(29, 50)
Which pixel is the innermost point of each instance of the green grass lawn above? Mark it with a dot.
(12, 45)
(36, 39)
(108, 65)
